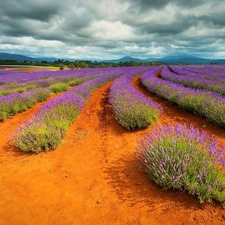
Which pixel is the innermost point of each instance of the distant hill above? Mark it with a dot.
(18, 57)
(184, 59)
(219, 61)
(47, 59)
(7, 56)
(128, 59)
(170, 59)
(176, 59)
(124, 59)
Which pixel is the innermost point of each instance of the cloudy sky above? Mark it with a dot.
(110, 29)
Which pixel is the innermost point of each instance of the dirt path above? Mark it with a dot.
(93, 178)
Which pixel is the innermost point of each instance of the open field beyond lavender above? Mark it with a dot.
(134, 145)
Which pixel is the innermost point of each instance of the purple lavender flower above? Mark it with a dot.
(205, 103)
(131, 109)
(56, 115)
(193, 80)
(186, 165)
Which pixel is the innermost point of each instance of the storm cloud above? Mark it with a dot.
(112, 29)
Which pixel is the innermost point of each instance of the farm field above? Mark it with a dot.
(93, 176)
(27, 68)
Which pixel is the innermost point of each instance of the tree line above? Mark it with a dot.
(62, 64)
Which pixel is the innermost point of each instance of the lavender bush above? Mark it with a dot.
(184, 158)
(14, 103)
(132, 109)
(75, 82)
(46, 129)
(59, 87)
(13, 82)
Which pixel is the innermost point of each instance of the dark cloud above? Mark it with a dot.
(146, 4)
(178, 25)
(29, 9)
(215, 19)
(17, 28)
(159, 4)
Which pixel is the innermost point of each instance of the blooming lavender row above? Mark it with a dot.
(205, 103)
(205, 73)
(5, 72)
(18, 102)
(46, 128)
(194, 82)
(211, 70)
(21, 82)
(25, 77)
(132, 109)
(202, 71)
(184, 158)
(14, 103)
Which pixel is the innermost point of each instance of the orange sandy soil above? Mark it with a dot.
(93, 177)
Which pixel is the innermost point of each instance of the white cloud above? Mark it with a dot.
(113, 31)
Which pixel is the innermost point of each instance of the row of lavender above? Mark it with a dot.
(18, 102)
(182, 157)
(14, 103)
(179, 157)
(5, 71)
(205, 103)
(211, 72)
(194, 81)
(46, 129)
(132, 109)
(26, 77)
(21, 82)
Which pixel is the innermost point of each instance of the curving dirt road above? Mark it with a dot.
(93, 177)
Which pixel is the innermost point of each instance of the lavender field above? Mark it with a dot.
(178, 156)
(194, 91)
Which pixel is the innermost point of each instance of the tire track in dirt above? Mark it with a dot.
(93, 178)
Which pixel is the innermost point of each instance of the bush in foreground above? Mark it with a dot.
(184, 158)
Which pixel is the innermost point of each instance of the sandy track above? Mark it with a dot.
(93, 177)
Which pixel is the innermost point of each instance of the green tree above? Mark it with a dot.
(83, 65)
(71, 66)
(61, 66)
